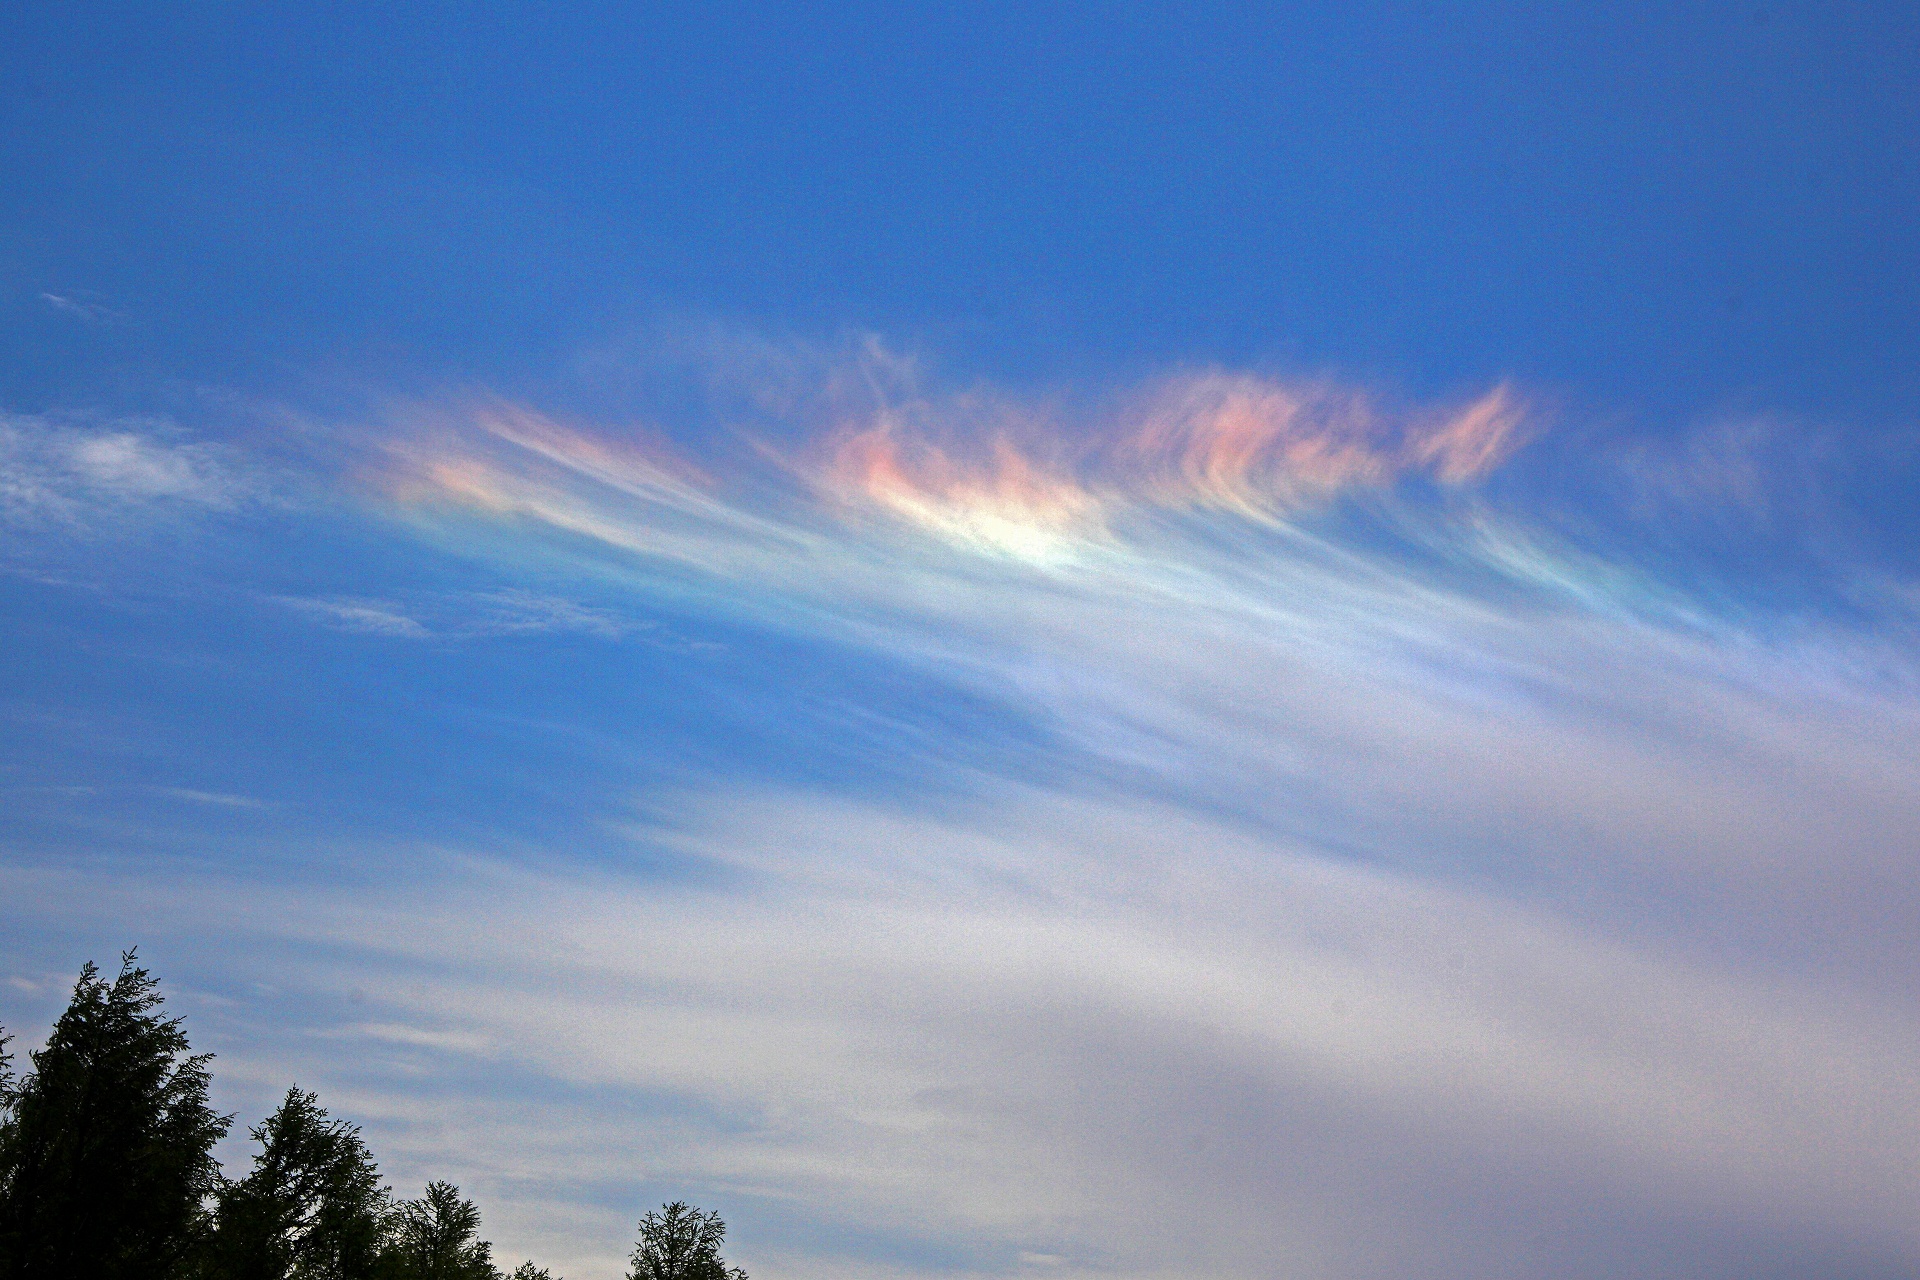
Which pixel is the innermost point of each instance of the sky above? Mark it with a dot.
(1002, 641)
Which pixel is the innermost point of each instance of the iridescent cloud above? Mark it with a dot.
(1023, 486)
(1369, 874)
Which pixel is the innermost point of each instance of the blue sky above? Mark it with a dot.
(1149, 642)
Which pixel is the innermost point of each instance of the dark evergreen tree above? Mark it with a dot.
(527, 1271)
(681, 1243)
(106, 1149)
(434, 1239)
(312, 1208)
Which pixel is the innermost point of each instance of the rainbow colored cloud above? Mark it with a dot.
(1013, 482)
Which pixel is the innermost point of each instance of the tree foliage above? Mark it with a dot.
(311, 1208)
(107, 1173)
(106, 1149)
(436, 1238)
(679, 1242)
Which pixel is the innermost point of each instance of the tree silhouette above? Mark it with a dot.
(681, 1243)
(433, 1239)
(106, 1161)
(312, 1208)
(107, 1173)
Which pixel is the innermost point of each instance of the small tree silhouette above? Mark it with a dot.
(681, 1243)
(312, 1207)
(433, 1239)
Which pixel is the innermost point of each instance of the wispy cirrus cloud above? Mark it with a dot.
(1372, 881)
(1189, 600)
(87, 476)
(463, 615)
(985, 470)
(1556, 844)
(351, 613)
(1232, 442)
(84, 306)
(221, 799)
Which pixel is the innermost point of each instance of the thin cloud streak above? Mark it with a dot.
(463, 615)
(219, 799)
(372, 617)
(82, 307)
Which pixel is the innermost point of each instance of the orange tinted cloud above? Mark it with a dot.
(1472, 442)
(1250, 444)
(1006, 501)
(1022, 485)
(1226, 441)
(1244, 443)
